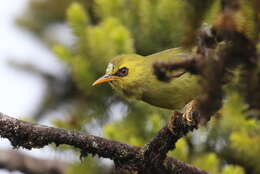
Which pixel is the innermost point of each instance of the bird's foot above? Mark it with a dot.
(188, 115)
(190, 112)
(187, 118)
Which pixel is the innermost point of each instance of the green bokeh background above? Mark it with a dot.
(102, 29)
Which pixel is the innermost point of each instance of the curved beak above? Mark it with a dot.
(105, 78)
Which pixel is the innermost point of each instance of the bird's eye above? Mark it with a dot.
(122, 72)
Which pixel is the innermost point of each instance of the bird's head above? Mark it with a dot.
(124, 71)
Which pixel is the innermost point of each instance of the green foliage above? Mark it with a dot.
(40, 15)
(196, 12)
(208, 162)
(233, 169)
(237, 134)
(181, 152)
(245, 22)
(138, 126)
(103, 29)
(77, 19)
(145, 19)
(212, 12)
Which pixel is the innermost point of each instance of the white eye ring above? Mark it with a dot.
(110, 68)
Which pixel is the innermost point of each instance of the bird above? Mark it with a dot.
(132, 75)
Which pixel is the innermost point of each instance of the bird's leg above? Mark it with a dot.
(190, 111)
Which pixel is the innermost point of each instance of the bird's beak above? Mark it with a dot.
(105, 78)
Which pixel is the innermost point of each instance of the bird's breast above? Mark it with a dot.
(133, 90)
(173, 95)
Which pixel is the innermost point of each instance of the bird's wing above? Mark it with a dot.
(173, 54)
(170, 55)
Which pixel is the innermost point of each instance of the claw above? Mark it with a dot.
(186, 117)
(189, 111)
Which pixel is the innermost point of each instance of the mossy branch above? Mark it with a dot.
(29, 135)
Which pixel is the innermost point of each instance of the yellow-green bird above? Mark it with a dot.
(132, 75)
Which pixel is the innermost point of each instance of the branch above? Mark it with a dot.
(155, 151)
(14, 161)
(29, 135)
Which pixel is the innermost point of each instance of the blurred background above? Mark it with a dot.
(52, 51)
